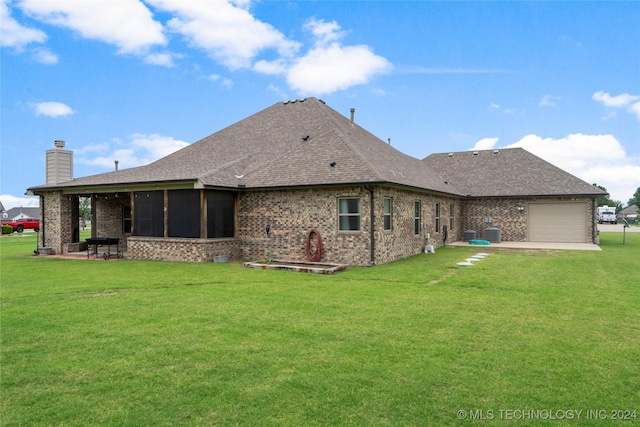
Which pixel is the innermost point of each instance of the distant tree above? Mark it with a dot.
(619, 206)
(635, 200)
(605, 200)
(85, 208)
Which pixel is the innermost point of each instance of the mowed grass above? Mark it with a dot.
(410, 343)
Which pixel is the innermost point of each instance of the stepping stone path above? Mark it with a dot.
(473, 258)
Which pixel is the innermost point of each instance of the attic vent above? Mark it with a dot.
(450, 155)
(496, 151)
(475, 153)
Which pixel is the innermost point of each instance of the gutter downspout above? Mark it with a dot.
(42, 221)
(594, 229)
(372, 246)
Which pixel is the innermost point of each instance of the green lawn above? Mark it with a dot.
(410, 343)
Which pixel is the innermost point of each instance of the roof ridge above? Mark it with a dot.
(343, 133)
(230, 164)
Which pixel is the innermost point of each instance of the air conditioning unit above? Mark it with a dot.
(493, 234)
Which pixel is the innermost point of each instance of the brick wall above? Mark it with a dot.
(175, 249)
(401, 241)
(291, 214)
(107, 217)
(505, 215)
(57, 213)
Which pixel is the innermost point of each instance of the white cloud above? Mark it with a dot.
(635, 109)
(329, 69)
(324, 32)
(597, 159)
(14, 35)
(275, 67)
(93, 148)
(127, 24)
(9, 201)
(162, 59)
(228, 32)
(225, 29)
(629, 102)
(485, 144)
(156, 146)
(619, 101)
(224, 81)
(52, 109)
(45, 56)
(140, 149)
(329, 66)
(549, 101)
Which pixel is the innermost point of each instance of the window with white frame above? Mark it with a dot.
(452, 212)
(388, 212)
(417, 217)
(437, 217)
(349, 214)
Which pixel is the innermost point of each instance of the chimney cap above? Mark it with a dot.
(59, 143)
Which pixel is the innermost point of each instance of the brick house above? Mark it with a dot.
(261, 185)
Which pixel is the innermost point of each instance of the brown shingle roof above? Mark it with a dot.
(507, 172)
(296, 143)
(269, 149)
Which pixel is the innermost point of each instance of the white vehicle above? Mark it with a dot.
(607, 214)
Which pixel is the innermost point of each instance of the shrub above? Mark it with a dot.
(7, 229)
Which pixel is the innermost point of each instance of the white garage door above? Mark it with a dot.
(558, 222)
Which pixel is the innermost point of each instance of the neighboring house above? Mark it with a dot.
(261, 185)
(630, 213)
(15, 214)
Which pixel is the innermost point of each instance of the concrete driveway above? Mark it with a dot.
(618, 228)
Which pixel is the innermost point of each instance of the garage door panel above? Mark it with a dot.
(557, 222)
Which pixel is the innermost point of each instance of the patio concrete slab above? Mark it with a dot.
(532, 246)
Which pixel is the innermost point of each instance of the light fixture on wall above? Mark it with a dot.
(520, 208)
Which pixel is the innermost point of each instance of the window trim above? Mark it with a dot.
(452, 215)
(417, 217)
(386, 214)
(350, 214)
(437, 217)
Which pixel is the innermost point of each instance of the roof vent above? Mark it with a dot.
(353, 113)
(496, 151)
(475, 153)
(305, 138)
(450, 155)
(332, 164)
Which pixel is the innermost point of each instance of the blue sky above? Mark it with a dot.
(133, 80)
